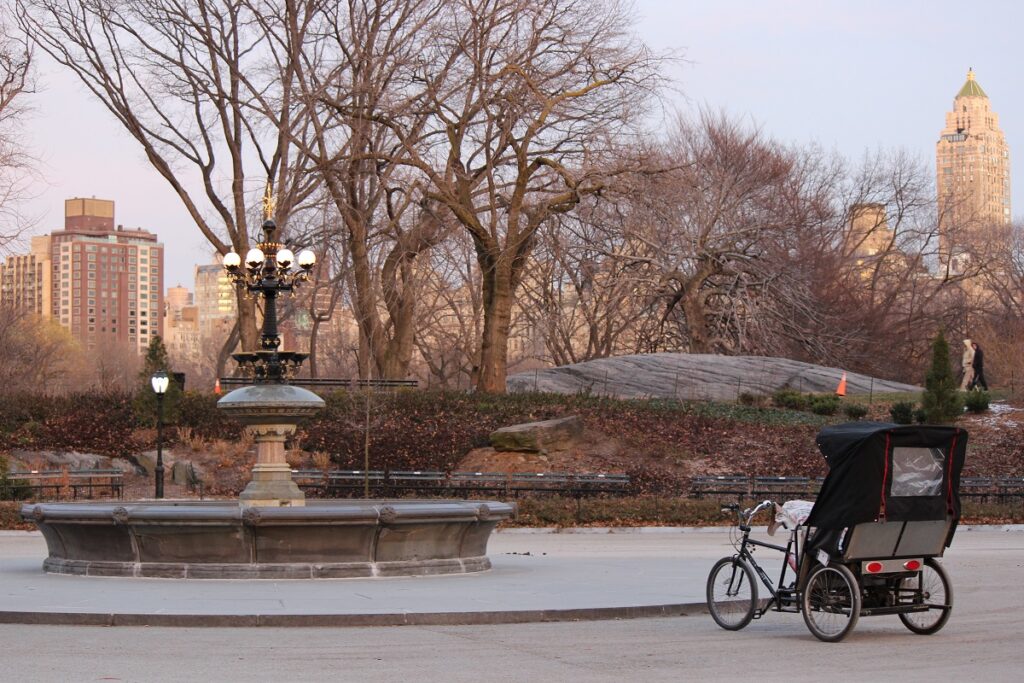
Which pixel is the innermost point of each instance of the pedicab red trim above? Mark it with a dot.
(885, 478)
(949, 474)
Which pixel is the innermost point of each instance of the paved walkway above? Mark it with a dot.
(535, 577)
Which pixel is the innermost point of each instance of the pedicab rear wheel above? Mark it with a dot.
(936, 592)
(831, 603)
(731, 593)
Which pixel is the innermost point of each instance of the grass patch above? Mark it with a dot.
(547, 511)
(556, 511)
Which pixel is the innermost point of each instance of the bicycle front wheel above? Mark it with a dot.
(831, 603)
(732, 593)
(931, 587)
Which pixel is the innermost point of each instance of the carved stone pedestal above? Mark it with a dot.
(271, 482)
(270, 413)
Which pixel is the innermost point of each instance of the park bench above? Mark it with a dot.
(785, 487)
(339, 383)
(602, 483)
(720, 486)
(84, 483)
(385, 383)
(977, 488)
(417, 481)
(345, 482)
(479, 482)
(1009, 488)
(739, 486)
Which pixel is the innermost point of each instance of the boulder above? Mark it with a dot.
(147, 461)
(180, 472)
(538, 437)
(55, 460)
(126, 466)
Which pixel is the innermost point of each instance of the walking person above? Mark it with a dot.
(978, 365)
(967, 366)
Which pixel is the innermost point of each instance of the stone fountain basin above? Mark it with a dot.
(223, 540)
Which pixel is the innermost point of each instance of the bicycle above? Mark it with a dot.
(732, 592)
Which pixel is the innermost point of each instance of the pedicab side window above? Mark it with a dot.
(916, 471)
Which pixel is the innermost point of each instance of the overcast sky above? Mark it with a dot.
(850, 76)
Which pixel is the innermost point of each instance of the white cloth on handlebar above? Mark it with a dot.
(791, 514)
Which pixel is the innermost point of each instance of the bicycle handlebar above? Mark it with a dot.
(744, 516)
(750, 513)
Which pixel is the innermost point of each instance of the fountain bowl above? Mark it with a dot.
(224, 540)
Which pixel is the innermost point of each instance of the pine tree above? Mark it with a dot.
(941, 401)
(145, 403)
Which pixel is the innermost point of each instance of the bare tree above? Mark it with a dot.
(15, 166)
(39, 355)
(586, 301)
(706, 228)
(871, 271)
(450, 315)
(529, 102)
(205, 88)
(366, 50)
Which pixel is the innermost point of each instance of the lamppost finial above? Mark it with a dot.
(269, 201)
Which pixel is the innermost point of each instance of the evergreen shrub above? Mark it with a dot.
(855, 411)
(941, 401)
(977, 401)
(902, 412)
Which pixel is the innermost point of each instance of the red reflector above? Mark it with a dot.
(912, 565)
(874, 567)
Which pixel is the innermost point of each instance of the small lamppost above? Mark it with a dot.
(160, 382)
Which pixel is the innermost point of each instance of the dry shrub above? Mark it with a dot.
(231, 453)
(322, 460)
(295, 458)
(146, 436)
(189, 438)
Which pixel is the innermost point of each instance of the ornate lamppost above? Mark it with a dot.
(159, 381)
(268, 273)
(271, 407)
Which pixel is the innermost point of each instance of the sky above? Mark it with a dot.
(849, 76)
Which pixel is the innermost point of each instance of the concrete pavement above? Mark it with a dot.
(981, 641)
(535, 577)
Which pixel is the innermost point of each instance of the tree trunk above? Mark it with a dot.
(498, 289)
(313, 334)
(247, 329)
(225, 351)
(696, 322)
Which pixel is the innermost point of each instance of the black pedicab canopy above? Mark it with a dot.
(883, 471)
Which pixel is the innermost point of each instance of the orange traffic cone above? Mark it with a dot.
(216, 387)
(841, 389)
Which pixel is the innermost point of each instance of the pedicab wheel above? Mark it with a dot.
(936, 592)
(732, 593)
(831, 603)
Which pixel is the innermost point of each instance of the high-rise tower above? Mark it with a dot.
(972, 165)
(107, 281)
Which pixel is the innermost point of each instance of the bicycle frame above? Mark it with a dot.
(783, 599)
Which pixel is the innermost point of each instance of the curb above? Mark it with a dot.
(597, 530)
(694, 529)
(351, 620)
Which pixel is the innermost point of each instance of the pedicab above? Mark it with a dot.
(870, 544)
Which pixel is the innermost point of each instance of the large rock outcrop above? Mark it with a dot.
(694, 376)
